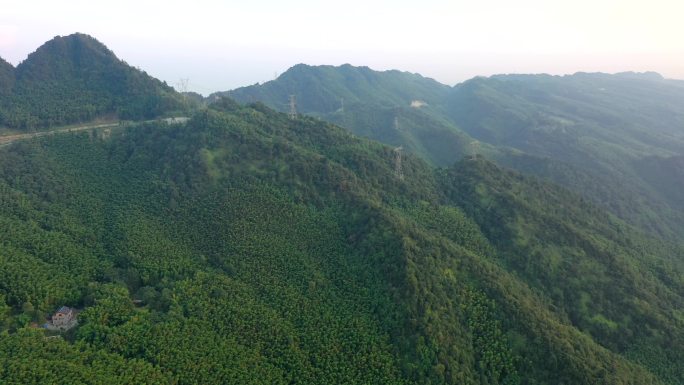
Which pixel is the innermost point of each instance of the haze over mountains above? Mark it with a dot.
(593, 133)
(248, 247)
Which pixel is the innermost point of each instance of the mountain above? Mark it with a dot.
(75, 79)
(570, 117)
(573, 252)
(588, 132)
(326, 89)
(264, 249)
(398, 108)
(246, 246)
(598, 126)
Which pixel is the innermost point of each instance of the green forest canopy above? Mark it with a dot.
(273, 250)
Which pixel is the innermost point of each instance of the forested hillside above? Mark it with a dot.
(75, 79)
(6, 79)
(592, 133)
(326, 89)
(397, 108)
(6, 84)
(594, 129)
(248, 247)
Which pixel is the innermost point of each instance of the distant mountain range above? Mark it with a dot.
(374, 104)
(76, 79)
(588, 132)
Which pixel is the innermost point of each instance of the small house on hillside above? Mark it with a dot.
(63, 317)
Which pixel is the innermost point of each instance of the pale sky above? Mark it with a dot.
(220, 45)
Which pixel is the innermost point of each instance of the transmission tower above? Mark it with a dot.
(293, 107)
(397, 163)
(475, 146)
(183, 85)
(183, 89)
(396, 122)
(341, 104)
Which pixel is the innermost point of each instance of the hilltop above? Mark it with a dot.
(75, 79)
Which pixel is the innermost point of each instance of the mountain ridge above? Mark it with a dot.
(590, 126)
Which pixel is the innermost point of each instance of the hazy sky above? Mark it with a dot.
(220, 45)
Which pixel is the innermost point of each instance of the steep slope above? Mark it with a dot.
(393, 107)
(581, 118)
(418, 131)
(625, 196)
(666, 176)
(591, 266)
(76, 78)
(597, 125)
(278, 250)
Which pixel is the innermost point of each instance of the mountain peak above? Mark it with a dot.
(79, 50)
(76, 78)
(302, 68)
(75, 43)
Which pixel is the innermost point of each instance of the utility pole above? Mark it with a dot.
(293, 107)
(397, 163)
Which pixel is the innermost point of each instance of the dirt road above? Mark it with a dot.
(14, 137)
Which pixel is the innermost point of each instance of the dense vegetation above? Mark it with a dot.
(75, 79)
(6, 84)
(595, 131)
(377, 105)
(595, 134)
(263, 249)
(326, 89)
(6, 78)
